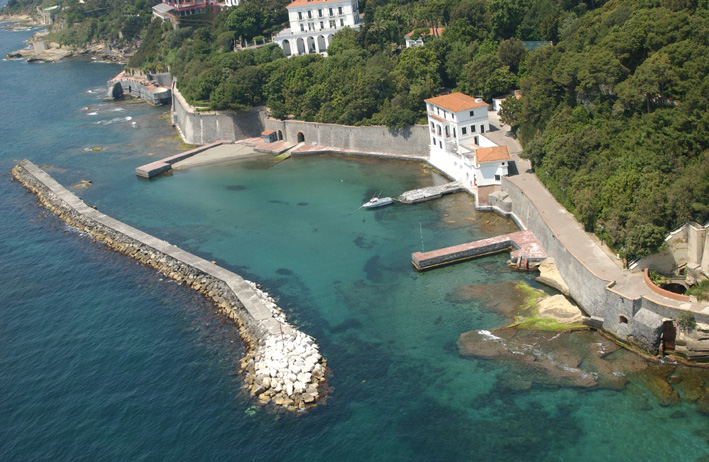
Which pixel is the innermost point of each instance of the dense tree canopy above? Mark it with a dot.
(615, 118)
(369, 77)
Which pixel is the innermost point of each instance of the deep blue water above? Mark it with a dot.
(103, 359)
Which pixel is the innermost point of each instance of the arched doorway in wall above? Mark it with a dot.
(286, 48)
(311, 45)
(300, 45)
(301, 137)
(280, 135)
(322, 46)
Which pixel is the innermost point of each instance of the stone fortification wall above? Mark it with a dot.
(413, 141)
(207, 127)
(638, 321)
(282, 366)
(197, 127)
(139, 88)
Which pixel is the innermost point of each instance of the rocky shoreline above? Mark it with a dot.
(282, 366)
(547, 347)
(41, 50)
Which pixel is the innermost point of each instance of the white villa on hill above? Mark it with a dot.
(458, 147)
(314, 22)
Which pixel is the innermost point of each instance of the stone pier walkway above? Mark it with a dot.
(572, 235)
(430, 193)
(525, 245)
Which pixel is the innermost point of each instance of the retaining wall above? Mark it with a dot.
(412, 141)
(197, 127)
(282, 365)
(596, 295)
(207, 127)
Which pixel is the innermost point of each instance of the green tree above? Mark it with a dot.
(511, 52)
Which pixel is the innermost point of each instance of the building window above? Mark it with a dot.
(331, 13)
(339, 10)
(454, 135)
(439, 130)
(433, 141)
(311, 26)
(320, 13)
(464, 130)
(622, 319)
(472, 129)
(310, 14)
(300, 15)
(302, 28)
(482, 128)
(476, 140)
(440, 143)
(472, 113)
(447, 132)
(342, 22)
(433, 128)
(497, 177)
(322, 25)
(333, 24)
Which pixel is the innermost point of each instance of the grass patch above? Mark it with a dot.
(528, 315)
(537, 323)
(532, 296)
(701, 290)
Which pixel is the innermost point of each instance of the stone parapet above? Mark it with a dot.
(624, 305)
(282, 366)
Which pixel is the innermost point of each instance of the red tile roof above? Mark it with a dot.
(456, 102)
(493, 154)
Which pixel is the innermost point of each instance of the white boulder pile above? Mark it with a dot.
(286, 370)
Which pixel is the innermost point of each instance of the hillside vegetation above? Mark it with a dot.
(367, 79)
(119, 22)
(615, 119)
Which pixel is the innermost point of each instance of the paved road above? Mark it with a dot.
(582, 245)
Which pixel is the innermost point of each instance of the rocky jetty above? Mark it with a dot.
(282, 366)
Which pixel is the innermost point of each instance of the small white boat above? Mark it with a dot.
(377, 202)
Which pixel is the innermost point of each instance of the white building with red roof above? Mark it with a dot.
(457, 123)
(314, 22)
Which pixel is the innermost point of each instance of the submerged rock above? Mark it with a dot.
(83, 184)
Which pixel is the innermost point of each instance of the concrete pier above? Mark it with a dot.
(430, 193)
(283, 365)
(165, 165)
(525, 247)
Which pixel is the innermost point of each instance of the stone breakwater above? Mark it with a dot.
(282, 366)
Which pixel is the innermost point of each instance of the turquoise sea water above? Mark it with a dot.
(103, 359)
